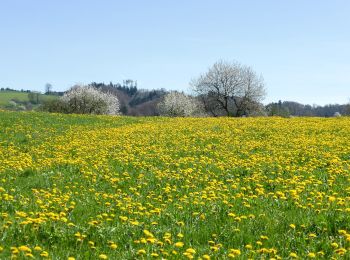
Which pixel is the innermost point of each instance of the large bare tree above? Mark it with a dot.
(229, 88)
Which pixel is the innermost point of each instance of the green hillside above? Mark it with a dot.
(14, 99)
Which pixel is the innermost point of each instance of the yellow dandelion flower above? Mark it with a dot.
(24, 249)
(103, 256)
(311, 255)
(147, 233)
(38, 248)
(113, 246)
(190, 250)
(334, 245)
(340, 251)
(179, 244)
(293, 255)
(342, 232)
(141, 252)
(249, 246)
(123, 218)
(235, 252)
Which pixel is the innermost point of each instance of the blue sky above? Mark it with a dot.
(302, 48)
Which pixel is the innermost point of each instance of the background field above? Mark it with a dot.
(20, 97)
(6, 96)
(93, 187)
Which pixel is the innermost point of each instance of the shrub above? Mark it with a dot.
(54, 106)
(178, 104)
(84, 100)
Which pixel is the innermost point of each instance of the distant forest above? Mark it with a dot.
(290, 108)
(134, 101)
(143, 102)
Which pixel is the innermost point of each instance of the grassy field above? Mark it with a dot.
(89, 187)
(7, 96)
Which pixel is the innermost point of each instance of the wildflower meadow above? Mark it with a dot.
(114, 187)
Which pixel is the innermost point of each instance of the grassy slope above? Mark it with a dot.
(6, 96)
(74, 185)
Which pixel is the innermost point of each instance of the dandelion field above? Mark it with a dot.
(90, 187)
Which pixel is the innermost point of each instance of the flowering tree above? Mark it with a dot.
(178, 104)
(229, 88)
(89, 100)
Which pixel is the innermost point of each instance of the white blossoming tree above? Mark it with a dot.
(89, 100)
(230, 88)
(178, 104)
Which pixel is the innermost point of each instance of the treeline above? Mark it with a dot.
(54, 93)
(142, 102)
(291, 108)
(14, 90)
(134, 101)
(212, 99)
(129, 88)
